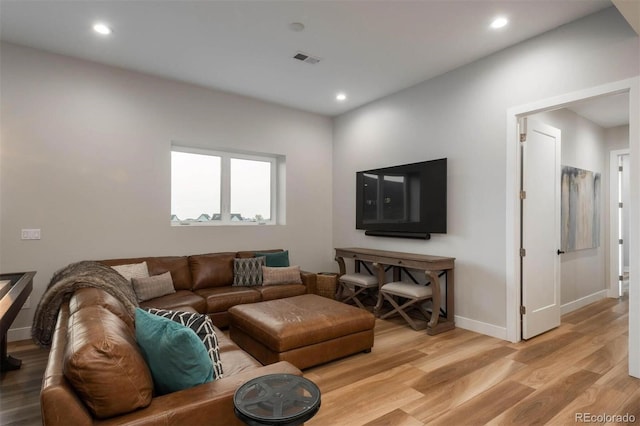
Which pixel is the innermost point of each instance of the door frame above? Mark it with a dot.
(512, 205)
(614, 282)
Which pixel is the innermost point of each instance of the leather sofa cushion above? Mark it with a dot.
(90, 296)
(211, 270)
(177, 265)
(281, 291)
(220, 299)
(178, 299)
(235, 359)
(104, 365)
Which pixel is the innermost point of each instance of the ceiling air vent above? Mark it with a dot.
(306, 58)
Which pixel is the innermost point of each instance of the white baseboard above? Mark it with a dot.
(612, 293)
(481, 327)
(583, 301)
(501, 332)
(16, 334)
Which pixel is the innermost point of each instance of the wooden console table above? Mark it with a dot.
(13, 293)
(433, 266)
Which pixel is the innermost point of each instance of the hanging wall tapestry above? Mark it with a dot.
(580, 211)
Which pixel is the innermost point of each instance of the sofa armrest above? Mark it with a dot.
(210, 403)
(309, 279)
(59, 404)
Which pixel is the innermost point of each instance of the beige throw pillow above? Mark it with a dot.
(134, 270)
(151, 287)
(281, 275)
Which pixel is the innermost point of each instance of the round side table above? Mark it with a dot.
(276, 399)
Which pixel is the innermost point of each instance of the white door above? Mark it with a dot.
(540, 256)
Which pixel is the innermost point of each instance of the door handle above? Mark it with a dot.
(560, 252)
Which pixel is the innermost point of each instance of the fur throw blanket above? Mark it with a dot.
(65, 282)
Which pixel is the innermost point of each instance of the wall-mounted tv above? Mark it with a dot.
(407, 201)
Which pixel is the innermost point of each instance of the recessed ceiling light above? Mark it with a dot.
(499, 22)
(341, 97)
(101, 28)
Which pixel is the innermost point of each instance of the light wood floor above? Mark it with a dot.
(456, 378)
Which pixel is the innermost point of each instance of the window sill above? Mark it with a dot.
(219, 223)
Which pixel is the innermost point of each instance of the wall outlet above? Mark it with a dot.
(31, 234)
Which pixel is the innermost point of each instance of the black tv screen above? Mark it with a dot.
(410, 198)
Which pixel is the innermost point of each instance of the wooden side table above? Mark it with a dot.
(433, 267)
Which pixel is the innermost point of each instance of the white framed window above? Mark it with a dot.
(219, 187)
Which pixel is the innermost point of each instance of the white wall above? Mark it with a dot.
(617, 137)
(461, 115)
(85, 157)
(584, 146)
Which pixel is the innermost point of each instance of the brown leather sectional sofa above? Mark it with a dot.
(93, 318)
(204, 283)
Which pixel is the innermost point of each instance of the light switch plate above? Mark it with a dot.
(31, 234)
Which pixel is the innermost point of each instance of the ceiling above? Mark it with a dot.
(605, 111)
(367, 49)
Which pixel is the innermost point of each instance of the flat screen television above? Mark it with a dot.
(408, 201)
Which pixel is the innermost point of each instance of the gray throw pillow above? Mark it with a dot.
(248, 272)
(281, 275)
(152, 287)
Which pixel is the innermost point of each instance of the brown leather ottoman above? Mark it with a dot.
(305, 330)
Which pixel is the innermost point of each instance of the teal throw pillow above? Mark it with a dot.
(174, 353)
(201, 324)
(278, 259)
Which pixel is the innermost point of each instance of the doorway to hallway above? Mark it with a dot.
(514, 320)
